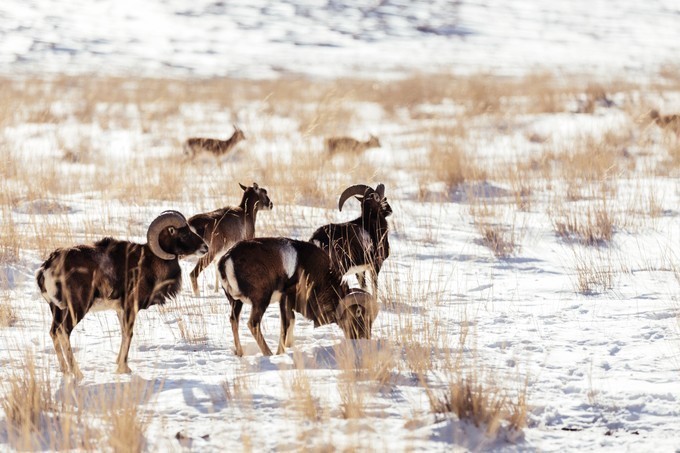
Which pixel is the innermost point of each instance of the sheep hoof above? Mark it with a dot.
(123, 369)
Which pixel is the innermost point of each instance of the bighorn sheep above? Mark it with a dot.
(362, 243)
(196, 145)
(666, 122)
(302, 277)
(349, 144)
(222, 228)
(113, 274)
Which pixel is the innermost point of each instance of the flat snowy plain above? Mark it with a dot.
(539, 148)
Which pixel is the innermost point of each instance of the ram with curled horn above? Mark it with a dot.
(119, 275)
(301, 277)
(361, 244)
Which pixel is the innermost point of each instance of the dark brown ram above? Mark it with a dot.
(119, 275)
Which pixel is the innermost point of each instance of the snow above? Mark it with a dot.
(601, 369)
(263, 39)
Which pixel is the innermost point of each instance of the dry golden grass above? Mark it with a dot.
(448, 147)
(472, 401)
(28, 400)
(595, 273)
(592, 225)
(8, 315)
(302, 398)
(40, 417)
(127, 420)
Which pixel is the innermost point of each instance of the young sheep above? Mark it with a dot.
(301, 276)
(112, 274)
(223, 227)
(195, 145)
(361, 244)
(351, 145)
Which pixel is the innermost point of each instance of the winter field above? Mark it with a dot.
(531, 298)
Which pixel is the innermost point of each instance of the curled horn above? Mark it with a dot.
(381, 190)
(357, 189)
(361, 298)
(166, 219)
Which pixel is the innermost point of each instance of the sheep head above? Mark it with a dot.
(355, 314)
(371, 199)
(169, 236)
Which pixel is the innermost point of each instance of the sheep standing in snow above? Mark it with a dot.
(196, 145)
(361, 244)
(223, 227)
(300, 275)
(118, 275)
(350, 145)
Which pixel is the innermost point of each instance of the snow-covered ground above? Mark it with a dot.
(600, 367)
(373, 38)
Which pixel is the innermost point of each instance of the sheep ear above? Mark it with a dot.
(255, 186)
(242, 187)
(381, 190)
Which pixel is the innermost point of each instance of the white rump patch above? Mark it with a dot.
(289, 259)
(50, 293)
(229, 283)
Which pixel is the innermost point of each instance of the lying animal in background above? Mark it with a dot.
(361, 244)
(195, 145)
(350, 145)
(300, 275)
(224, 227)
(118, 275)
(666, 122)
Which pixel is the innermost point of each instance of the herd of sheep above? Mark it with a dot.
(307, 277)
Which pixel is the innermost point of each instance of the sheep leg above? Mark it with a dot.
(254, 325)
(287, 324)
(202, 263)
(56, 332)
(217, 279)
(127, 322)
(62, 325)
(290, 335)
(236, 306)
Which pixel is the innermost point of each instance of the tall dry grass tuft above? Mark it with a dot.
(500, 239)
(302, 398)
(127, 420)
(594, 273)
(593, 226)
(27, 403)
(8, 315)
(473, 401)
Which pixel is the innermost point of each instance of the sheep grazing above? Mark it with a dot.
(350, 145)
(222, 228)
(361, 244)
(195, 145)
(118, 275)
(301, 276)
(666, 122)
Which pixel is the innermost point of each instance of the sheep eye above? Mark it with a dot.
(172, 230)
